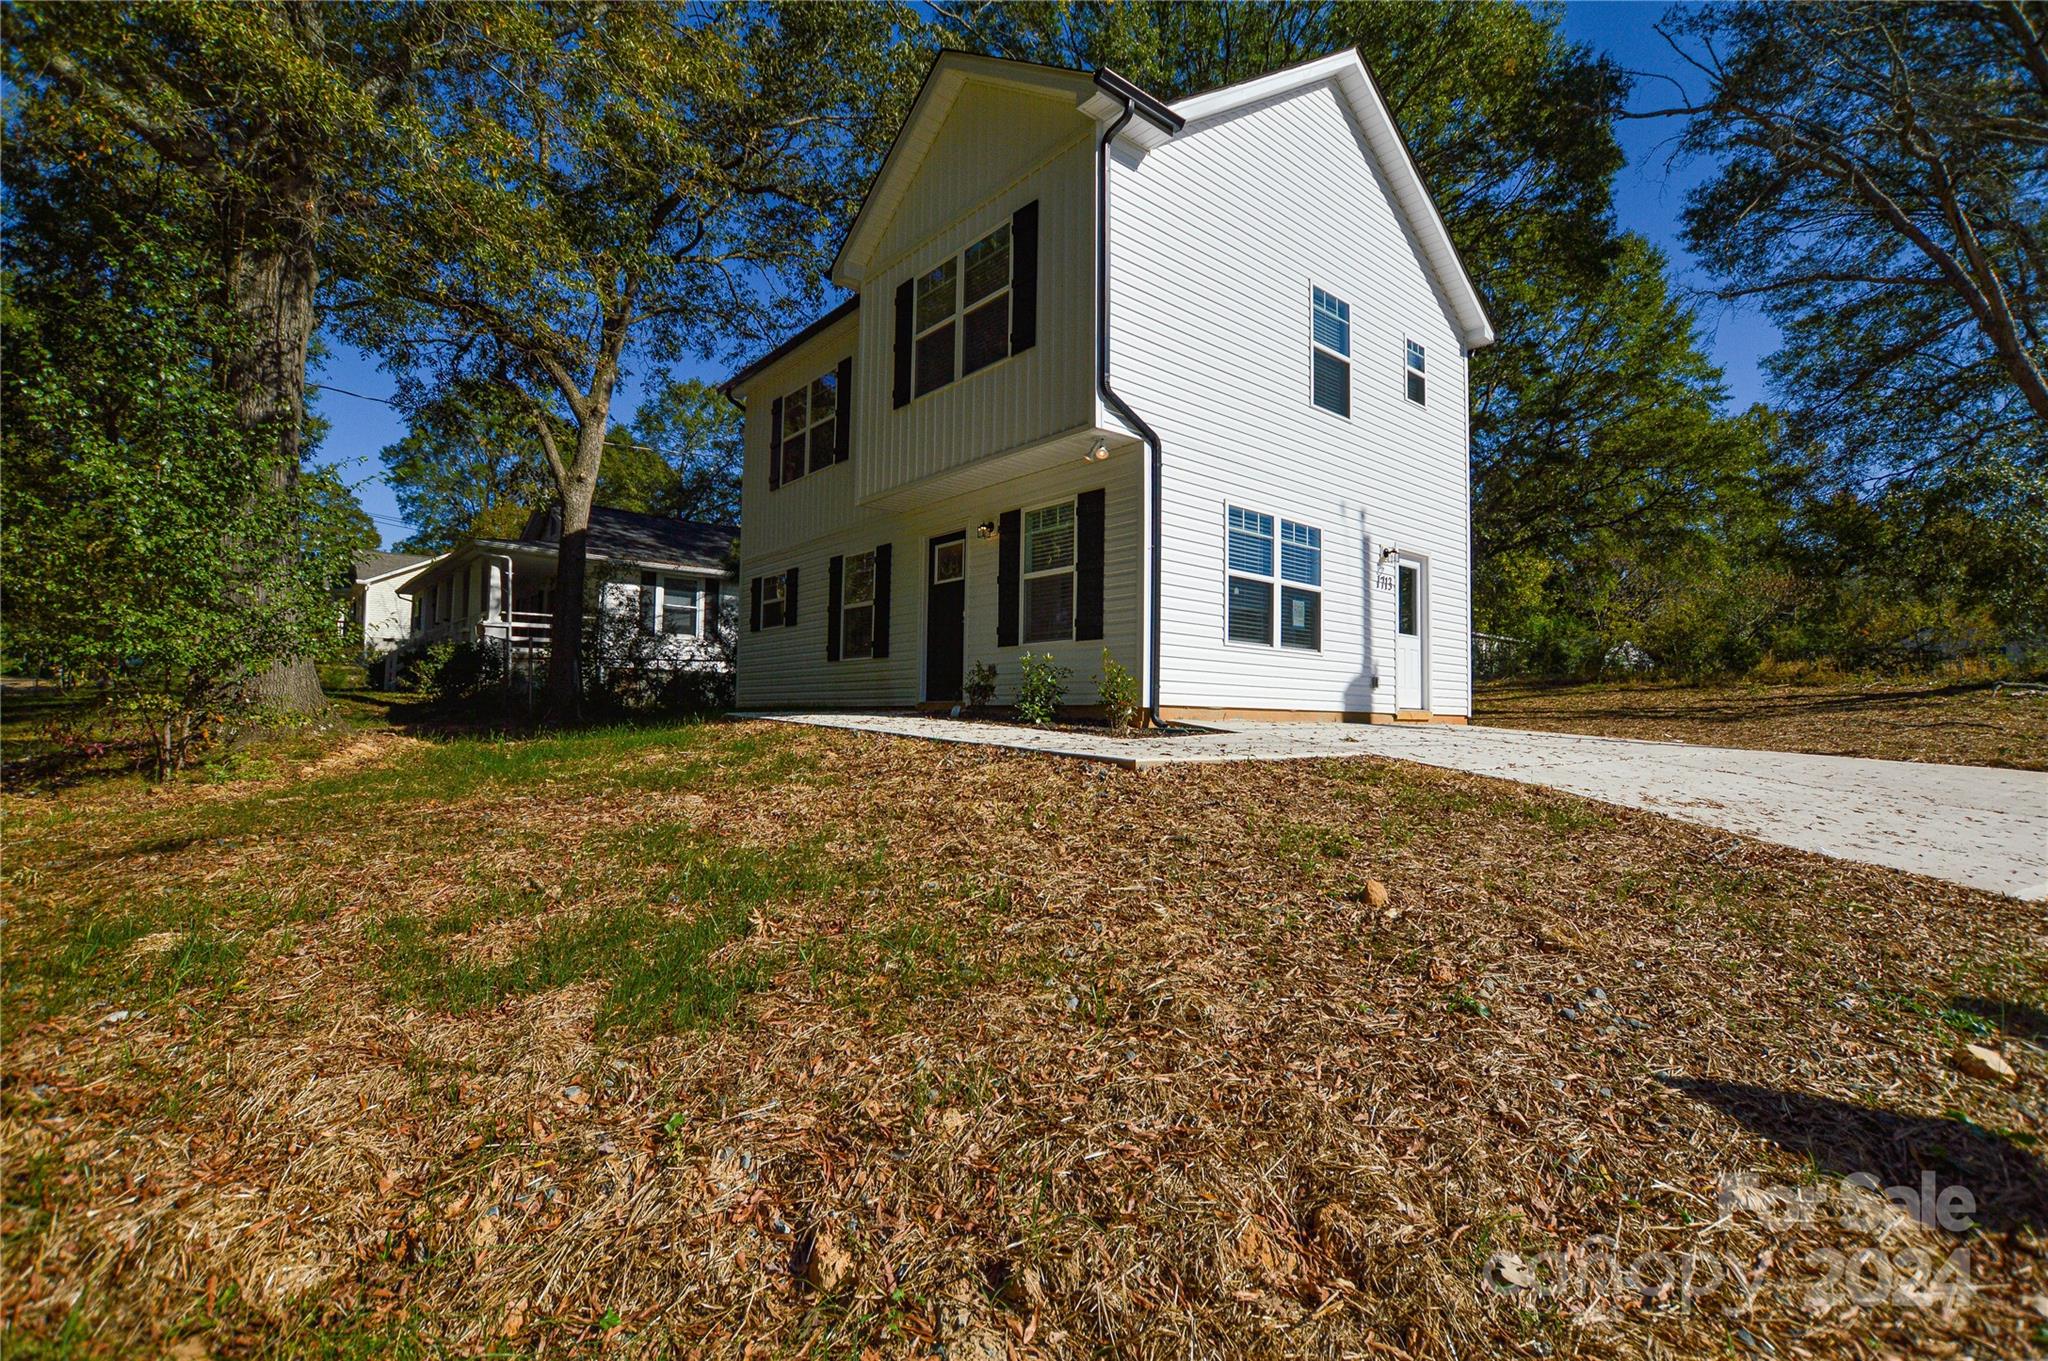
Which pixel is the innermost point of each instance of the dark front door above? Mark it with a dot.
(945, 616)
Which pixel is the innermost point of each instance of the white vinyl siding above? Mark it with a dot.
(787, 667)
(1219, 240)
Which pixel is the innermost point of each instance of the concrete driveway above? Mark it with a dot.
(1972, 825)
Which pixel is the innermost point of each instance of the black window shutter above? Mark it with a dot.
(901, 395)
(775, 445)
(834, 591)
(882, 563)
(789, 599)
(1024, 278)
(755, 587)
(647, 619)
(1088, 564)
(842, 439)
(1009, 574)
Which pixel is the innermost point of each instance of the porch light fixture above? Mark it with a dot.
(1098, 453)
(985, 530)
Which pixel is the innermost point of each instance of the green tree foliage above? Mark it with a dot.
(248, 108)
(469, 456)
(699, 435)
(472, 464)
(1883, 170)
(590, 185)
(141, 517)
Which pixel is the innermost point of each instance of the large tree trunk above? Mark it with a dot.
(272, 278)
(565, 647)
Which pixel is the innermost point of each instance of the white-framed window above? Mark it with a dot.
(1417, 391)
(1330, 351)
(857, 607)
(810, 426)
(1048, 558)
(1263, 565)
(774, 597)
(961, 319)
(673, 605)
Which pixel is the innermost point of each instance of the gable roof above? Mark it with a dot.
(371, 563)
(635, 536)
(950, 71)
(1354, 83)
(791, 345)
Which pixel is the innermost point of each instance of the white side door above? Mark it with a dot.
(1411, 688)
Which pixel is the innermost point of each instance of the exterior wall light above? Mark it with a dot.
(985, 530)
(1098, 453)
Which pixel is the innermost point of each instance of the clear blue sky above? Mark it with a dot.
(1649, 194)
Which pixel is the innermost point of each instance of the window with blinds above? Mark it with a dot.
(1049, 573)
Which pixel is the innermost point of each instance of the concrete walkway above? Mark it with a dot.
(1972, 825)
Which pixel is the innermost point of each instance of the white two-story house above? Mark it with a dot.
(1184, 382)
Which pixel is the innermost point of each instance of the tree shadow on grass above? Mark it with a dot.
(2008, 1181)
(2015, 1019)
(1732, 704)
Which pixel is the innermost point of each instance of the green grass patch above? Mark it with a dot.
(665, 955)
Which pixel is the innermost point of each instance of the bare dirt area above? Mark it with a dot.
(748, 1039)
(1975, 723)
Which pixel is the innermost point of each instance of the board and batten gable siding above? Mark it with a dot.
(786, 668)
(1016, 402)
(1217, 238)
(816, 503)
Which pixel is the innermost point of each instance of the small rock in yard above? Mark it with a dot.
(1984, 1063)
(820, 1262)
(114, 1018)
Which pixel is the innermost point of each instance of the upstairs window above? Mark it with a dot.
(1256, 572)
(1049, 573)
(1415, 380)
(1330, 352)
(962, 318)
(810, 426)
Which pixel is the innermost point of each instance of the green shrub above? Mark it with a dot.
(979, 689)
(1119, 694)
(1042, 689)
(449, 671)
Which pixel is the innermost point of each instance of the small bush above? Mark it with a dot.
(979, 689)
(1042, 689)
(447, 671)
(1119, 694)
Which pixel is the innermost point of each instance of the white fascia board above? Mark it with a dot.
(1348, 72)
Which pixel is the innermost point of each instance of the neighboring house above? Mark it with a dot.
(660, 586)
(379, 616)
(954, 466)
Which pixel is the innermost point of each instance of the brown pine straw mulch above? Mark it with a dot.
(1964, 721)
(1081, 1063)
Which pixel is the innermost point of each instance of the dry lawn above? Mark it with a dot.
(749, 1040)
(1971, 723)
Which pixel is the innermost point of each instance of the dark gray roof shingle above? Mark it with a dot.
(638, 537)
(371, 562)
